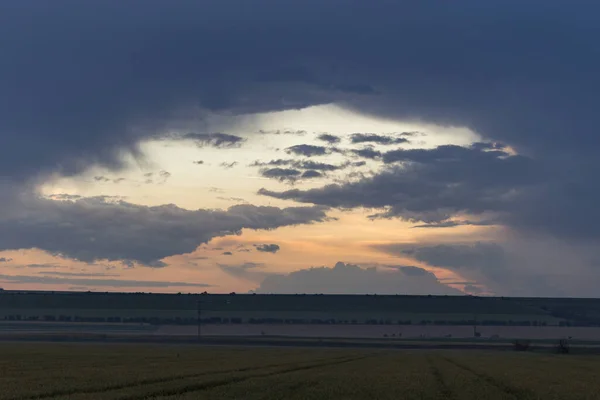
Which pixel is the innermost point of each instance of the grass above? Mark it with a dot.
(84, 372)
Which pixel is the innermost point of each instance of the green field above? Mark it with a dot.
(83, 371)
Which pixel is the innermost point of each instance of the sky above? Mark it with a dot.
(326, 146)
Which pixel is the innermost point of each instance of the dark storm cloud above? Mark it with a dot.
(432, 185)
(478, 255)
(268, 248)
(307, 150)
(352, 279)
(218, 140)
(329, 138)
(505, 269)
(86, 80)
(91, 229)
(375, 138)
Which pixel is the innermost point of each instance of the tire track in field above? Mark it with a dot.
(151, 381)
(439, 379)
(513, 391)
(223, 382)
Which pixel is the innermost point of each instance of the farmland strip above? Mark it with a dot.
(516, 392)
(437, 374)
(150, 381)
(216, 383)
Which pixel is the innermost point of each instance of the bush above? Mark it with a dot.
(522, 345)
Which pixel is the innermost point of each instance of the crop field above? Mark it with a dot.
(83, 371)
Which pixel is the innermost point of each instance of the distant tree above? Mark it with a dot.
(522, 345)
(563, 346)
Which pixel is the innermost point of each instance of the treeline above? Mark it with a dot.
(281, 321)
(576, 316)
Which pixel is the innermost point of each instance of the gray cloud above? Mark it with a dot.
(279, 162)
(329, 138)
(311, 174)
(91, 229)
(158, 178)
(281, 174)
(367, 152)
(236, 199)
(317, 166)
(217, 140)
(291, 174)
(5, 259)
(163, 176)
(452, 224)
(77, 274)
(199, 162)
(472, 289)
(307, 150)
(249, 271)
(352, 279)
(227, 253)
(40, 266)
(268, 248)
(54, 280)
(413, 271)
(228, 165)
(302, 164)
(378, 139)
(283, 132)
